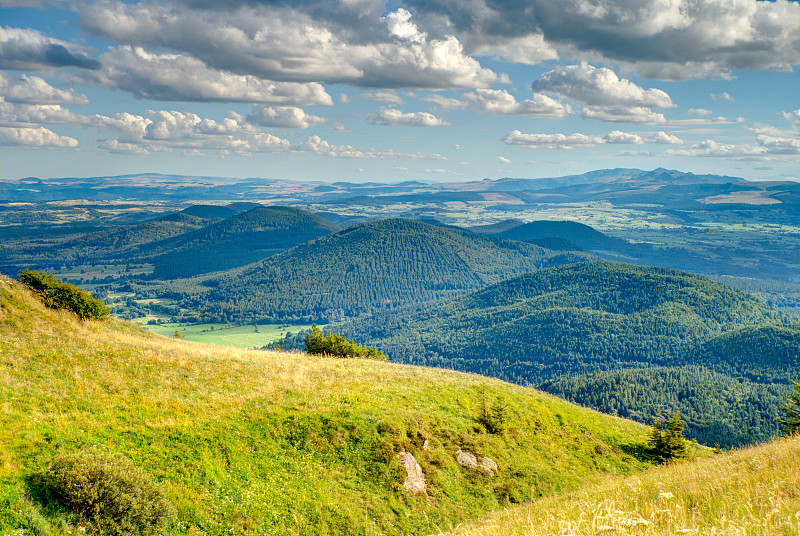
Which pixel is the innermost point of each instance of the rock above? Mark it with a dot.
(415, 479)
(425, 445)
(466, 459)
(489, 465)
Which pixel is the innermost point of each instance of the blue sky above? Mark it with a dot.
(368, 90)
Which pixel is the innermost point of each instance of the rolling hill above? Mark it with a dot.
(567, 320)
(581, 234)
(373, 266)
(251, 442)
(236, 241)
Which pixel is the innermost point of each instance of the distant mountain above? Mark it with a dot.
(568, 320)
(373, 266)
(236, 241)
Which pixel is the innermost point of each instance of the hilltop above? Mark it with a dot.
(373, 266)
(239, 240)
(265, 442)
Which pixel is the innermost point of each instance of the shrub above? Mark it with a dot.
(791, 413)
(333, 344)
(57, 294)
(109, 491)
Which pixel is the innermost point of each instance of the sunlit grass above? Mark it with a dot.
(755, 491)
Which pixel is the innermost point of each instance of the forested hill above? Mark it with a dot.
(567, 320)
(236, 241)
(373, 266)
(583, 235)
(118, 242)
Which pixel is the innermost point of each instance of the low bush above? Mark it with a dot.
(333, 344)
(57, 294)
(109, 491)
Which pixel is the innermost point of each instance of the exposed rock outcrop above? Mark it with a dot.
(414, 483)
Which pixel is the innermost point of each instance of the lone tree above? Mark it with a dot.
(57, 294)
(791, 413)
(666, 439)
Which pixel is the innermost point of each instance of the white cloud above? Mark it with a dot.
(504, 160)
(317, 145)
(500, 101)
(25, 49)
(699, 111)
(606, 96)
(34, 137)
(721, 96)
(663, 137)
(765, 146)
(182, 78)
(391, 116)
(282, 117)
(279, 42)
(570, 141)
(29, 89)
(623, 114)
(12, 114)
(793, 117)
(599, 87)
(344, 98)
(383, 96)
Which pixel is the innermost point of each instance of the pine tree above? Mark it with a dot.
(791, 413)
(666, 440)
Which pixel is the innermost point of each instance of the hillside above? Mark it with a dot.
(568, 320)
(753, 491)
(373, 266)
(583, 235)
(249, 442)
(236, 241)
(718, 408)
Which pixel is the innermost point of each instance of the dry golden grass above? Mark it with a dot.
(755, 492)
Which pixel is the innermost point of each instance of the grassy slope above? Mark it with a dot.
(754, 492)
(269, 443)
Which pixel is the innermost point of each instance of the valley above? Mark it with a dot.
(627, 292)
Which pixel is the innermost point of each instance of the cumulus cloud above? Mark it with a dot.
(663, 137)
(13, 114)
(672, 40)
(317, 145)
(29, 89)
(282, 117)
(25, 49)
(504, 160)
(500, 101)
(699, 111)
(599, 87)
(605, 95)
(181, 78)
(721, 96)
(568, 141)
(765, 146)
(282, 42)
(34, 137)
(391, 116)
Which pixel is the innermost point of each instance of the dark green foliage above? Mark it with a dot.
(239, 240)
(791, 413)
(333, 344)
(493, 417)
(666, 439)
(109, 491)
(59, 295)
(717, 407)
(578, 233)
(371, 267)
(567, 320)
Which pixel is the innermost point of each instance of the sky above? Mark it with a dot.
(387, 91)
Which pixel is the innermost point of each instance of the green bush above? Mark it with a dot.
(109, 491)
(333, 344)
(57, 294)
